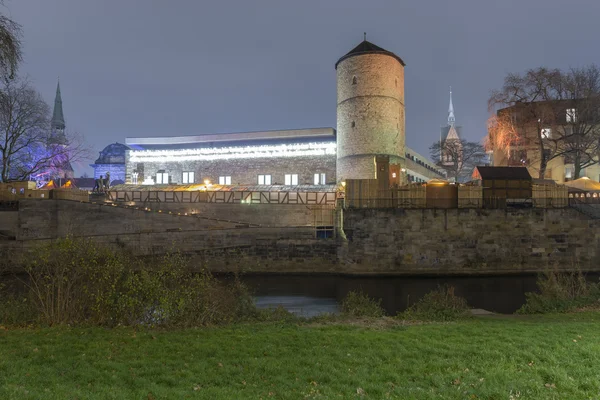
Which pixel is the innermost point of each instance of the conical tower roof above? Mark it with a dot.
(58, 119)
(366, 47)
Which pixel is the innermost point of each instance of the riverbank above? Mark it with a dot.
(541, 357)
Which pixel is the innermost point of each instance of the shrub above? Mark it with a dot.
(359, 304)
(438, 305)
(561, 292)
(73, 281)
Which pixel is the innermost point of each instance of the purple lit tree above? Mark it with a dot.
(28, 148)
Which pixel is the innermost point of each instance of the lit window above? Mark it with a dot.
(319, 179)
(393, 174)
(134, 178)
(264, 179)
(546, 133)
(291, 179)
(188, 177)
(571, 115)
(225, 180)
(162, 178)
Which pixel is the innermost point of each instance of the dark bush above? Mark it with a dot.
(438, 305)
(73, 281)
(359, 304)
(561, 292)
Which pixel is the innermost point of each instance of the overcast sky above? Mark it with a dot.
(183, 67)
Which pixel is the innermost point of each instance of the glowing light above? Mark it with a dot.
(344, 184)
(228, 153)
(206, 182)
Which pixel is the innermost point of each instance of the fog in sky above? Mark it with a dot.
(184, 67)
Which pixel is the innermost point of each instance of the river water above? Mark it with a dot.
(313, 295)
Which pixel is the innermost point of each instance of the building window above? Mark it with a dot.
(264, 179)
(546, 132)
(353, 124)
(571, 115)
(188, 177)
(354, 80)
(291, 179)
(225, 180)
(134, 177)
(319, 179)
(162, 178)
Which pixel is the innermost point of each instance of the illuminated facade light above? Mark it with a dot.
(232, 153)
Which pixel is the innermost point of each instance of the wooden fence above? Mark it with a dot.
(366, 193)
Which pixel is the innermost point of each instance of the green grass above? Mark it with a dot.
(526, 357)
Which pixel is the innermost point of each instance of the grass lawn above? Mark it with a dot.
(545, 357)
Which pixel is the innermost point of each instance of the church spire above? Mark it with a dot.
(58, 119)
(451, 118)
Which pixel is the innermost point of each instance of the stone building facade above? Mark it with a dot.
(295, 157)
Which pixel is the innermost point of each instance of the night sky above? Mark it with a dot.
(184, 67)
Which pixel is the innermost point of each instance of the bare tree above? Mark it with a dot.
(457, 157)
(531, 95)
(576, 132)
(10, 46)
(556, 113)
(27, 145)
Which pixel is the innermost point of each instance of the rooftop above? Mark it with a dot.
(295, 134)
(366, 47)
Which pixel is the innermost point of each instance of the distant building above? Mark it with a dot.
(561, 118)
(62, 168)
(112, 160)
(450, 133)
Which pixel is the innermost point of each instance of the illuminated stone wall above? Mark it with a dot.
(370, 114)
(242, 171)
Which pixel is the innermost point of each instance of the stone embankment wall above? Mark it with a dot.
(470, 241)
(409, 242)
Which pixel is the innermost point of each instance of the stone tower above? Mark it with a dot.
(370, 112)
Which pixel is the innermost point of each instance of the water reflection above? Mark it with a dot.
(304, 306)
(312, 295)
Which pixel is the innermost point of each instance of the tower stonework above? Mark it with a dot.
(370, 111)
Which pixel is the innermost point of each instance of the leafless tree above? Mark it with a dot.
(10, 46)
(457, 157)
(27, 145)
(530, 94)
(576, 132)
(555, 112)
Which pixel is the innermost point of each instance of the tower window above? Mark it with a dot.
(354, 80)
(353, 124)
(396, 82)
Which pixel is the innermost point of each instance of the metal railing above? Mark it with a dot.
(224, 197)
(591, 210)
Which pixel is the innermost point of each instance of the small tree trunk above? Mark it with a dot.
(577, 164)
